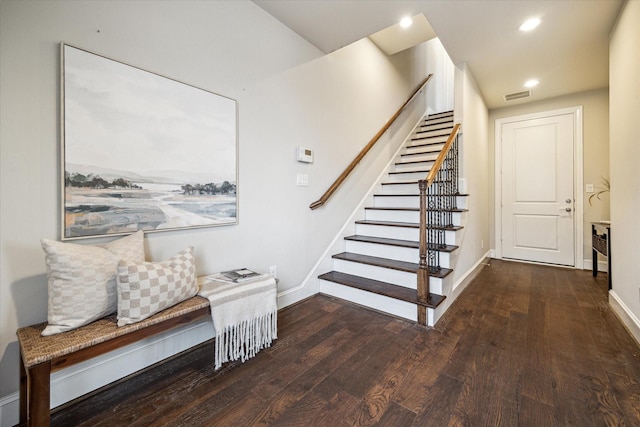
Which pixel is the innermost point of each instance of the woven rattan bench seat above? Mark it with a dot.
(37, 349)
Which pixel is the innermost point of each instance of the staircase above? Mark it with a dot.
(379, 267)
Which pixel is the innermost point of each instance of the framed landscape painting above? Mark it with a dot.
(141, 151)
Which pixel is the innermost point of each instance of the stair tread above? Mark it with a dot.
(396, 242)
(414, 209)
(425, 171)
(414, 162)
(409, 267)
(405, 224)
(382, 288)
(410, 194)
(436, 126)
(421, 136)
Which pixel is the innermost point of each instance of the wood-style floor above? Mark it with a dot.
(523, 345)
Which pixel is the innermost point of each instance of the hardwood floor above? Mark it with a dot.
(523, 345)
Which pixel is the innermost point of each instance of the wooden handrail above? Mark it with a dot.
(366, 149)
(431, 176)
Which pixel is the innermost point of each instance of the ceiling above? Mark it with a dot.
(568, 52)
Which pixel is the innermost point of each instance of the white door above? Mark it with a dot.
(537, 190)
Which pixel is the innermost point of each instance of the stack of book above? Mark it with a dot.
(236, 276)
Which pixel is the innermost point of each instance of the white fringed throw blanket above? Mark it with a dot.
(244, 316)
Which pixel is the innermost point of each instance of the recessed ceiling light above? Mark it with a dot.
(531, 83)
(406, 22)
(529, 24)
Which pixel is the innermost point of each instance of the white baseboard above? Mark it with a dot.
(90, 375)
(587, 264)
(9, 410)
(628, 319)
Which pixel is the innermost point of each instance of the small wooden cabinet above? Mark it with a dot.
(601, 243)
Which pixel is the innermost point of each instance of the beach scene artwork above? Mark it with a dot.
(143, 152)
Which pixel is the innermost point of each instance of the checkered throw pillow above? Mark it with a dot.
(149, 287)
(82, 279)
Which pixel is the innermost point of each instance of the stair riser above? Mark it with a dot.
(402, 216)
(442, 115)
(434, 133)
(377, 302)
(438, 120)
(424, 157)
(409, 189)
(396, 201)
(435, 148)
(405, 166)
(400, 278)
(391, 252)
(399, 201)
(409, 176)
(407, 201)
(416, 140)
(438, 123)
(400, 233)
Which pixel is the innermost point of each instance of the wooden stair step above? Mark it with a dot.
(415, 209)
(432, 134)
(425, 171)
(440, 114)
(397, 242)
(382, 288)
(392, 264)
(407, 224)
(437, 120)
(435, 126)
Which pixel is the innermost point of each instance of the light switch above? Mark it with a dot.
(302, 180)
(589, 188)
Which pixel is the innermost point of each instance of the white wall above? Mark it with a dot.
(595, 109)
(471, 111)
(440, 96)
(288, 95)
(624, 96)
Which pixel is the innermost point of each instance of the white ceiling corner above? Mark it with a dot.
(394, 39)
(568, 52)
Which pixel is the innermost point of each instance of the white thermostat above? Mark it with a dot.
(305, 155)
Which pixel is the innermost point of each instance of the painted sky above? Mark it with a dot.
(121, 117)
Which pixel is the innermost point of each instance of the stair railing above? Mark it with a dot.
(343, 176)
(437, 200)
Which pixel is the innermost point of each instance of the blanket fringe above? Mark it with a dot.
(244, 340)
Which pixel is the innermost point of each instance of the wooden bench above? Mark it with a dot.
(39, 356)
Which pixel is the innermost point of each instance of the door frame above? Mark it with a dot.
(578, 166)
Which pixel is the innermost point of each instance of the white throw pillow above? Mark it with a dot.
(146, 288)
(82, 279)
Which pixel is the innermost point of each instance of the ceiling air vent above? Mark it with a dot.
(517, 95)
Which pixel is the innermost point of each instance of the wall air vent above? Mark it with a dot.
(517, 95)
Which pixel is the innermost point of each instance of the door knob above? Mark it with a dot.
(566, 209)
(568, 201)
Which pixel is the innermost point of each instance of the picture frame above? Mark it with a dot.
(141, 151)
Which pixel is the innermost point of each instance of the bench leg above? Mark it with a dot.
(23, 393)
(38, 395)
